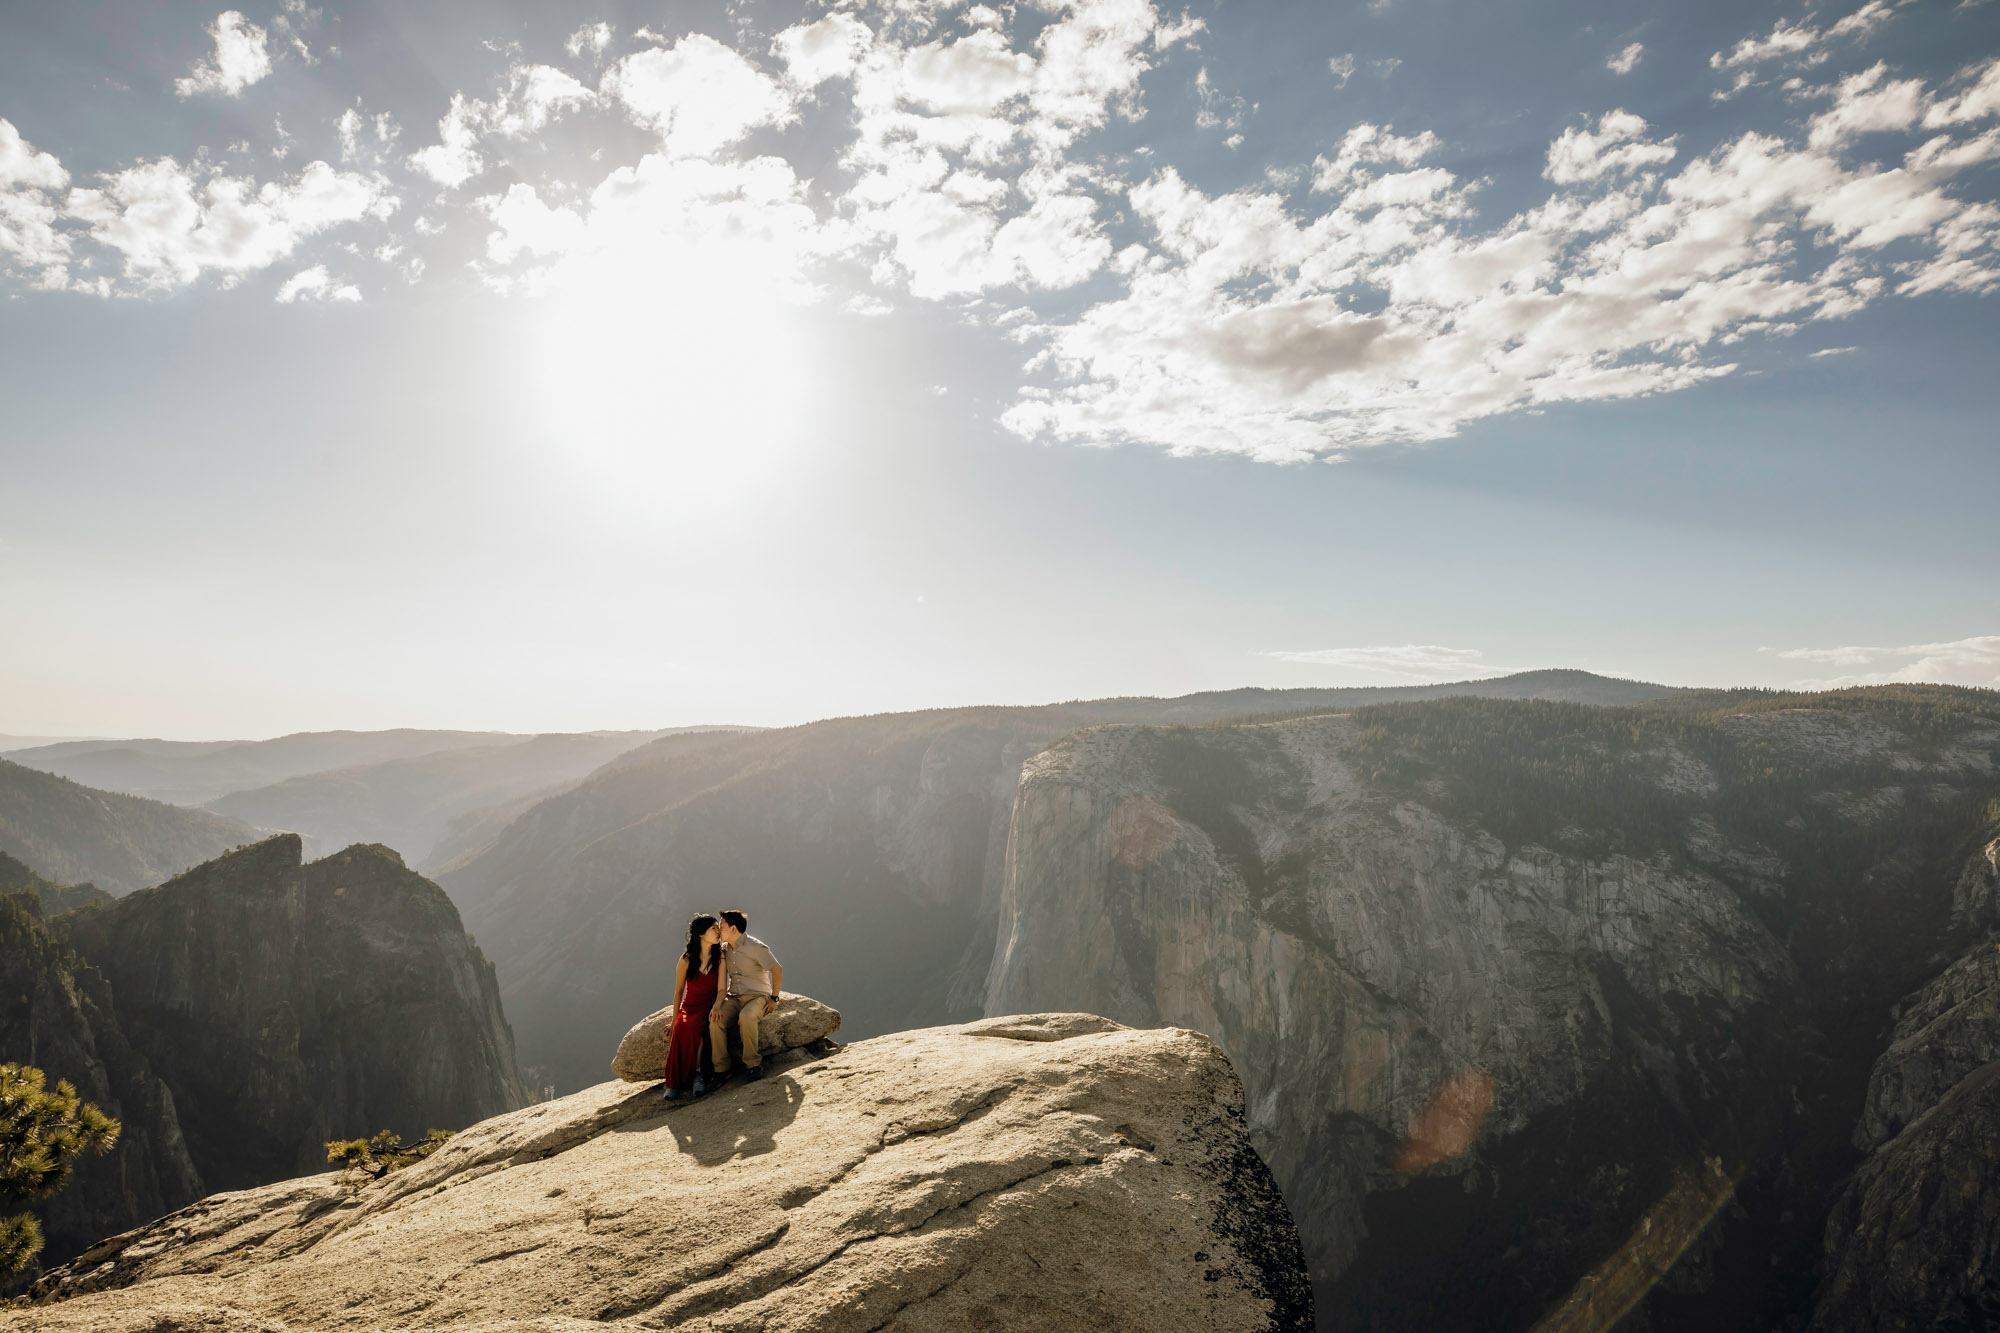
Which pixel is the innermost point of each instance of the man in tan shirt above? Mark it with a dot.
(753, 979)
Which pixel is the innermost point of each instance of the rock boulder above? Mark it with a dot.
(1007, 1175)
(797, 1021)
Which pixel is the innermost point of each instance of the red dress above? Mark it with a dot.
(687, 1044)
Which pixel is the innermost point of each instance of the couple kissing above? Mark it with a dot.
(724, 974)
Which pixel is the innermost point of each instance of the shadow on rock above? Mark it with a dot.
(742, 1120)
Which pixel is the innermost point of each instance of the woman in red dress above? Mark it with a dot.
(695, 977)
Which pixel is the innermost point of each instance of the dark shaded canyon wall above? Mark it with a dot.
(1483, 1067)
(289, 1004)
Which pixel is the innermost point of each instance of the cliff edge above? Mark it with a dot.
(1007, 1174)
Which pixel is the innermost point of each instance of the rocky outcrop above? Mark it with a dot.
(796, 1020)
(237, 1018)
(1007, 1175)
(289, 1004)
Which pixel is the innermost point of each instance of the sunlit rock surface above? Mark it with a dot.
(1038, 1171)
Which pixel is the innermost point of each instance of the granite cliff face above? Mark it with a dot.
(289, 1004)
(1529, 1002)
(1017, 1174)
(238, 1017)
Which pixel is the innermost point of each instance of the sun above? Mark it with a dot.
(681, 374)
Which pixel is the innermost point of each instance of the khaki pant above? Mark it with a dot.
(746, 1010)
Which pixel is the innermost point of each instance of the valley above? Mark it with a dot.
(1553, 998)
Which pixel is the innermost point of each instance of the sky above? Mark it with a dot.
(561, 365)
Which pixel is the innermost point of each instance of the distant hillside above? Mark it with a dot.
(51, 898)
(409, 804)
(195, 772)
(1556, 686)
(68, 833)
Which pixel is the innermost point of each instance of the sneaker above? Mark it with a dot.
(701, 1086)
(671, 1094)
(753, 1073)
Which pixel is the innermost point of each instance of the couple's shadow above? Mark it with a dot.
(741, 1120)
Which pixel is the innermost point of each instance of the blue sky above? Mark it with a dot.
(557, 366)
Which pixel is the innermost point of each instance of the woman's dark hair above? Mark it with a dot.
(696, 929)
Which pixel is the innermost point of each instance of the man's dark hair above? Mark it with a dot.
(736, 918)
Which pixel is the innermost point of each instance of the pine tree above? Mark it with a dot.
(377, 1157)
(42, 1133)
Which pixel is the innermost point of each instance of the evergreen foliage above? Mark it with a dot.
(374, 1158)
(42, 1133)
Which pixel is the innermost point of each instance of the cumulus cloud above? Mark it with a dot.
(172, 223)
(1973, 661)
(314, 284)
(1382, 303)
(1799, 43)
(1250, 327)
(29, 183)
(454, 159)
(1626, 60)
(1409, 661)
(961, 162)
(698, 95)
(240, 58)
(591, 37)
(1617, 144)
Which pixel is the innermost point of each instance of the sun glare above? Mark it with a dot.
(685, 383)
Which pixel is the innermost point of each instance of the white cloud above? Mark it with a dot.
(1395, 314)
(29, 182)
(1833, 351)
(239, 60)
(1974, 661)
(591, 37)
(21, 166)
(961, 160)
(171, 224)
(1410, 661)
(1343, 68)
(827, 49)
(1367, 146)
(698, 95)
(1798, 43)
(314, 284)
(1626, 60)
(1618, 144)
(455, 158)
(1218, 110)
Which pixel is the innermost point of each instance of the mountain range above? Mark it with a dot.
(1557, 1000)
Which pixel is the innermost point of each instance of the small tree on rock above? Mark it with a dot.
(375, 1158)
(42, 1133)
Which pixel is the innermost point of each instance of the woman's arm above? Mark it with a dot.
(680, 981)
